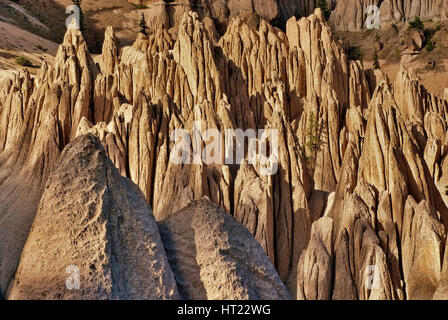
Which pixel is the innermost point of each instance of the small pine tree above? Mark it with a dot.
(376, 62)
(417, 23)
(143, 25)
(323, 4)
(313, 140)
(78, 3)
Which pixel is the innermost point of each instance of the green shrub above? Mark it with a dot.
(377, 37)
(313, 140)
(140, 6)
(430, 46)
(376, 62)
(323, 4)
(355, 53)
(417, 23)
(22, 61)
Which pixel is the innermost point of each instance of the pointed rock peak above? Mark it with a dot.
(137, 51)
(74, 38)
(217, 270)
(382, 96)
(98, 224)
(191, 26)
(319, 14)
(407, 74)
(109, 56)
(189, 21)
(109, 34)
(73, 55)
(141, 38)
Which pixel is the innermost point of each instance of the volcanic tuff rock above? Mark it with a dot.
(93, 218)
(346, 15)
(39, 116)
(351, 15)
(214, 257)
(169, 13)
(360, 158)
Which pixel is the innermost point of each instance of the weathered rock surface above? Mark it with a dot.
(316, 263)
(94, 219)
(352, 15)
(215, 257)
(353, 149)
(423, 246)
(38, 117)
(169, 13)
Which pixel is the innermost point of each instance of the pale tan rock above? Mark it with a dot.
(94, 219)
(422, 244)
(373, 279)
(109, 56)
(316, 263)
(215, 257)
(390, 242)
(351, 15)
(254, 206)
(343, 286)
(379, 142)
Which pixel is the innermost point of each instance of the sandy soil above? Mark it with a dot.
(15, 42)
(435, 79)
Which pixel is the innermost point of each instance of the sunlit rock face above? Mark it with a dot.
(357, 208)
(351, 15)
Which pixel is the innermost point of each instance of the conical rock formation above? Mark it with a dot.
(96, 224)
(215, 257)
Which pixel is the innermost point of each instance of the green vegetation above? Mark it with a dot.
(429, 34)
(355, 53)
(140, 6)
(416, 24)
(313, 140)
(143, 25)
(376, 62)
(22, 61)
(430, 46)
(323, 4)
(377, 37)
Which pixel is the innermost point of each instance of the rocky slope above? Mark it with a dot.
(357, 208)
(214, 257)
(93, 218)
(351, 15)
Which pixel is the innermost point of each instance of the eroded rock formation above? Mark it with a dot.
(361, 161)
(93, 219)
(214, 257)
(352, 15)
